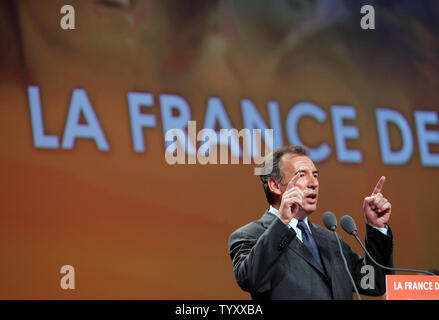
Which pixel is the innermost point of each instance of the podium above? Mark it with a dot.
(412, 287)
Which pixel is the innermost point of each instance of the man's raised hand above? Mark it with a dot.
(292, 201)
(377, 209)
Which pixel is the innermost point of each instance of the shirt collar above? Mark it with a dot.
(293, 222)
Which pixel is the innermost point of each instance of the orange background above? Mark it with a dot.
(135, 227)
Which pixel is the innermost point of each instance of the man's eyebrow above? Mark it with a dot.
(303, 170)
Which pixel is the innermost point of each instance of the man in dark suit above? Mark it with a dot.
(284, 256)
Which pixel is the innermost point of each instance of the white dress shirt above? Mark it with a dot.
(293, 223)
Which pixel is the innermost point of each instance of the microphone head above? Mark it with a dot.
(330, 221)
(348, 225)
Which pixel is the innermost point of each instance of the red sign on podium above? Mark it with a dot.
(414, 287)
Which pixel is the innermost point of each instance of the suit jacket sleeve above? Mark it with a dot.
(380, 246)
(255, 251)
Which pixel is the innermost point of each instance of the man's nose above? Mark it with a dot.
(313, 183)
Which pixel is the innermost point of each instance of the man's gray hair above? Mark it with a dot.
(273, 161)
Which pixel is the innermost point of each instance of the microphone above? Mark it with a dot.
(348, 225)
(330, 222)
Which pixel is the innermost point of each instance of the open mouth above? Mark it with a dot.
(312, 197)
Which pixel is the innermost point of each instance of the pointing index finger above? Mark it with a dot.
(379, 185)
(293, 181)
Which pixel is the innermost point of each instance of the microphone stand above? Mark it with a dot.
(346, 266)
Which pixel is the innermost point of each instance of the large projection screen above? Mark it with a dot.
(86, 179)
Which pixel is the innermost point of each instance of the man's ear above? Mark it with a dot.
(274, 186)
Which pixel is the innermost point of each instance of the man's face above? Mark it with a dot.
(308, 181)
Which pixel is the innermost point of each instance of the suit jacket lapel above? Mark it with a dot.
(323, 243)
(297, 246)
